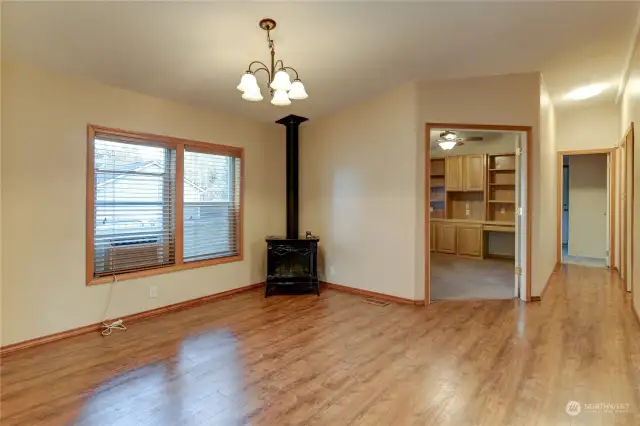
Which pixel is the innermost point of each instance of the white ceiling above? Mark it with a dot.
(346, 52)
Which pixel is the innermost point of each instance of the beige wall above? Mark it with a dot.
(357, 192)
(362, 178)
(630, 112)
(44, 173)
(545, 187)
(581, 127)
(588, 199)
(1, 175)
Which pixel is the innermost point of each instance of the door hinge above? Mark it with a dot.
(518, 270)
(518, 151)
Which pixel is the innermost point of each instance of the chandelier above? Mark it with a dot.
(280, 86)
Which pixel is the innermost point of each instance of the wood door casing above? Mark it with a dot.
(469, 239)
(453, 173)
(473, 167)
(446, 238)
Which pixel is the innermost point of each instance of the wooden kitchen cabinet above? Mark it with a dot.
(473, 172)
(432, 237)
(469, 240)
(445, 237)
(453, 173)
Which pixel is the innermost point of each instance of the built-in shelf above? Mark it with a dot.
(432, 175)
(502, 201)
(502, 184)
(502, 170)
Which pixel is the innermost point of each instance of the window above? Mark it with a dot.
(157, 204)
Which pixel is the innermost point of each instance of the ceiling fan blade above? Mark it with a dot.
(471, 139)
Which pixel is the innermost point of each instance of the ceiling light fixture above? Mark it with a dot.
(447, 145)
(586, 92)
(448, 135)
(280, 86)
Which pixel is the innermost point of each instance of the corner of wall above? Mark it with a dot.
(545, 187)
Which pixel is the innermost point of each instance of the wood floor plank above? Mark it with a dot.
(334, 360)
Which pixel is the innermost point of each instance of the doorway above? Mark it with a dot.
(627, 212)
(586, 182)
(565, 204)
(477, 223)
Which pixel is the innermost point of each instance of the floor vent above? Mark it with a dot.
(376, 302)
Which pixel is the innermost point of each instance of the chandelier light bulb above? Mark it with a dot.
(281, 81)
(253, 95)
(247, 82)
(280, 98)
(297, 91)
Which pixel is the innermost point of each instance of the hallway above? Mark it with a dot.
(243, 360)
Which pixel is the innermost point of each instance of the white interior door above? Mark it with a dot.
(608, 212)
(521, 222)
(565, 205)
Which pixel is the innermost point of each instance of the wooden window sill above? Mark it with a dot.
(164, 270)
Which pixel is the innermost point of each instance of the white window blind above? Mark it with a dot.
(134, 206)
(211, 205)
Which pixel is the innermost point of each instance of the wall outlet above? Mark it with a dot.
(153, 291)
(332, 270)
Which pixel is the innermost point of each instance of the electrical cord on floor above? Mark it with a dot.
(107, 328)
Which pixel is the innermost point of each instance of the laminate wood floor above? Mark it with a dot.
(334, 360)
(454, 277)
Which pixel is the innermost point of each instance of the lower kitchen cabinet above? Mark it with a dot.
(469, 239)
(445, 237)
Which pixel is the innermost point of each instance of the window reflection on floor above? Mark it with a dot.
(201, 384)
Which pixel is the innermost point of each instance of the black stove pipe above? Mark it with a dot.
(292, 123)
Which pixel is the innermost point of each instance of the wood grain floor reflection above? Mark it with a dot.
(333, 360)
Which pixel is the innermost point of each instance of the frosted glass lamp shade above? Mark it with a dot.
(253, 94)
(447, 145)
(248, 82)
(297, 91)
(281, 81)
(280, 98)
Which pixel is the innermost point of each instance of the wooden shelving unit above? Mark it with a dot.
(472, 197)
(437, 193)
(501, 188)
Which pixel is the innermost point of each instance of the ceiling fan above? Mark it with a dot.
(449, 139)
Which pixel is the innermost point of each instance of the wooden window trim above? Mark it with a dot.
(167, 142)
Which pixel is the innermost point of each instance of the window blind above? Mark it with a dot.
(134, 206)
(211, 205)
